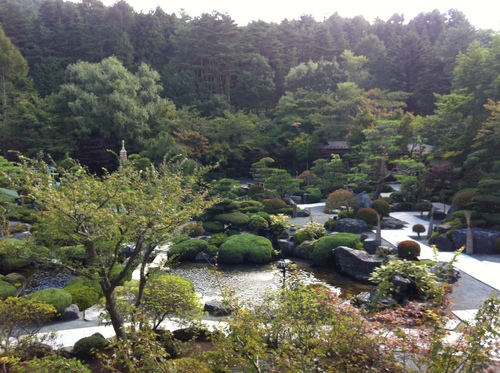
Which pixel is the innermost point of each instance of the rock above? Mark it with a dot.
(18, 280)
(71, 313)
(351, 225)
(370, 245)
(93, 313)
(297, 199)
(303, 213)
(362, 201)
(442, 242)
(192, 334)
(393, 223)
(483, 240)
(202, 257)
(356, 263)
(216, 308)
(448, 275)
(404, 287)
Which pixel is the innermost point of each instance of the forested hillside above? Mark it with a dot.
(89, 76)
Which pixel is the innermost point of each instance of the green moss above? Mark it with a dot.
(7, 290)
(187, 250)
(245, 248)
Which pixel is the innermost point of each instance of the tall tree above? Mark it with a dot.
(12, 65)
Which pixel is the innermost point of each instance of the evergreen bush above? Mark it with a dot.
(83, 296)
(257, 223)
(382, 207)
(14, 254)
(234, 219)
(418, 228)
(7, 290)
(330, 225)
(213, 226)
(58, 298)
(314, 195)
(87, 347)
(322, 252)
(193, 229)
(408, 249)
(273, 205)
(187, 250)
(246, 248)
(369, 215)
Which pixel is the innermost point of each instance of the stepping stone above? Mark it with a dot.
(466, 315)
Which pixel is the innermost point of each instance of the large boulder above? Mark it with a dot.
(442, 242)
(483, 240)
(393, 223)
(351, 225)
(71, 313)
(356, 263)
(215, 307)
(363, 201)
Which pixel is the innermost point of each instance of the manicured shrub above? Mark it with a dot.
(255, 190)
(87, 282)
(322, 252)
(382, 207)
(369, 215)
(234, 219)
(14, 255)
(264, 215)
(246, 248)
(314, 195)
(362, 188)
(288, 210)
(418, 228)
(273, 205)
(7, 290)
(58, 298)
(193, 229)
(213, 226)
(463, 198)
(311, 231)
(257, 223)
(408, 249)
(330, 225)
(87, 347)
(423, 206)
(83, 296)
(341, 198)
(250, 206)
(218, 239)
(187, 250)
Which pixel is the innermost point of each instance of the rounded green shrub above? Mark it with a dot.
(187, 250)
(213, 226)
(382, 207)
(463, 198)
(255, 190)
(83, 296)
(234, 219)
(218, 239)
(87, 282)
(58, 298)
(244, 248)
(368, 214)
(322, 252)
(273, 205)
(14, 255)
(7, 290)
(418, 228)
(330, 225)
(423, 206)
(408, 249)
(86, 348)
(314, 195)
(257, 223)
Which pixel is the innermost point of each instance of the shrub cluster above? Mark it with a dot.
(244, 248)
(322, 251)
(187, 250)
(87, 347)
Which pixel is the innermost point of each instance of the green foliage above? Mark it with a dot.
(218, 239)
(15, 254)
(246, 248)
(213, 226)
(234, 219)
(279, 225)
(408, 249)
(193, 229)
(58, 298)
(382, 207)
(341, 198)
(83, 296)
(86, 348)
(311, 231)
(281, 182)
(52, 363)
(330, 225)
(369, 215)
(463, 198)
(187, 250)
(187, 365)
(226, 188)
(73, 254)
(7, 290)
(254, 191)
(257, 223)
(272, 206)
(423, 206)
(314, 195)
(418, 228)
(427, 283)
(322, 253)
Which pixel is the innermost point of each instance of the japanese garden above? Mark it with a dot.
(137, 147)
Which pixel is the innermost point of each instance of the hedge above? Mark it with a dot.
(322, 251)
(187, 250)
(244, 248)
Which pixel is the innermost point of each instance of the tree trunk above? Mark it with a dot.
(114, 314)
(4, 115)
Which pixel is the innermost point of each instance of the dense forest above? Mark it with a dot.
(78, 78)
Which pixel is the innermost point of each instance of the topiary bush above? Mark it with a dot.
(213, 226)
(408, 249)
(423, 206)
(234, 219)
(382, 207)
(257, 223)
(7, 290)
(341, 198)
(418, 228)
(83, 296)
(369, 215)
(87, 347)
(187, 250)
(463, 198)
(218, 239)
(244, 248)
(58, 298)
(322, 251)
(273, 205)
(314, 195)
